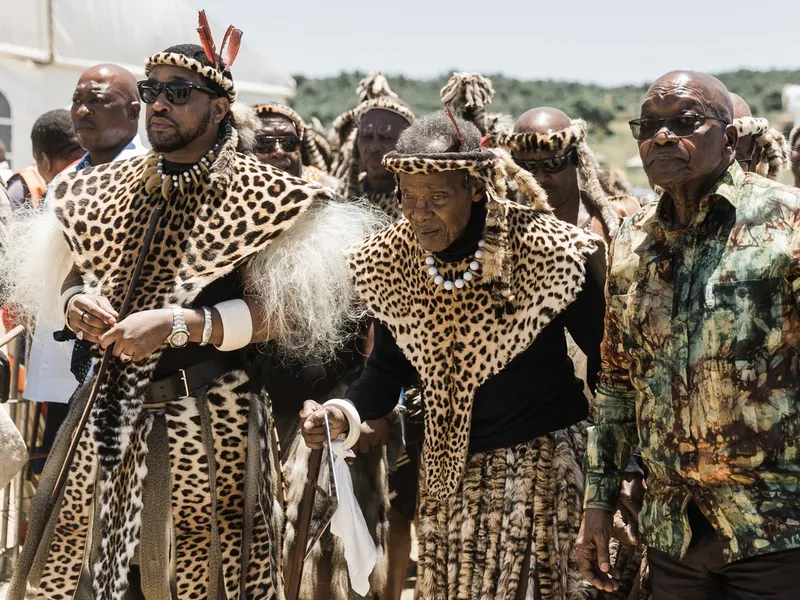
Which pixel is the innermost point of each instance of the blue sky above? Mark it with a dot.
(605, 41)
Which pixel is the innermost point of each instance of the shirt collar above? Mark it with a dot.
(134, 148)
(727, 186)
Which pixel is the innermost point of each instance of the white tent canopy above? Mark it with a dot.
(85, 32)
(47, 43)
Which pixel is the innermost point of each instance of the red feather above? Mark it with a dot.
(206, 39)
(233, 37)
(455, 125)
(486, 141)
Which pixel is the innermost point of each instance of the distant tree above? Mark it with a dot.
(772, 100)
(595, 111)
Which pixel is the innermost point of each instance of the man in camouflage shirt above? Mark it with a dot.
(700, 363)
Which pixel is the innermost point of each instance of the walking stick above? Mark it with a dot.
(302, 546)
(87, 410)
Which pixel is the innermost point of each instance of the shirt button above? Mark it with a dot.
(682, 433)
(692, 483)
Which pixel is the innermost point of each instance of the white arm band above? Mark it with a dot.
(353, 420)
(237, 324)
(64, 301)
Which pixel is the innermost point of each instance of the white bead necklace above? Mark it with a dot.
(465, 278)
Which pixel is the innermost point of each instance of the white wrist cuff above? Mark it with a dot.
(64, 301)
(237, 324)
(353, 420)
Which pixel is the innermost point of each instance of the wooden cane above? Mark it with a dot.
(87, 410)
(303, 525)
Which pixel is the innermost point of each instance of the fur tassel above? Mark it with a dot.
(246, 123)
(774, 152)
(374, 85)
(468, 94)
(589, 169)
(222, 170)
(526, 183)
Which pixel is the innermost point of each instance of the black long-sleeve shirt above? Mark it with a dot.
(536, 393)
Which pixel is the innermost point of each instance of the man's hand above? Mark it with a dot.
(92, 316)
(140, 334)
(374, 434)
(626, 517)
(591, 549)
(312, 423)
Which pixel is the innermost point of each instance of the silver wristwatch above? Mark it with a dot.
(180, 334)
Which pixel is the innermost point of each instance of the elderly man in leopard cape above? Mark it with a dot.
(471, 294)
(175, 489)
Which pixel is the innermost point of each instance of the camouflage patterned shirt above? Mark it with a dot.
(700, 368)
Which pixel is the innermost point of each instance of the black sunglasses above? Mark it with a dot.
(267, 144)
(548, 165)
(176, 92)
(680, 126)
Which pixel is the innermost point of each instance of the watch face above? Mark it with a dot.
(179, 339)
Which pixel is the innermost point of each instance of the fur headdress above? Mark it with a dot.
(219, 70)
(573, 136)
(495, 169)
(242, 118)
(467, 95)
(771, 146)
(310, 152)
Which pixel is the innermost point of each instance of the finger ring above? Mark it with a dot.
(79, 334)
(83, 316)
(125, 357)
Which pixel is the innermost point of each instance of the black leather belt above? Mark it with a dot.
(191, 382)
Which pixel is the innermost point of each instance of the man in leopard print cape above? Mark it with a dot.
(471, 294)
(175, 490)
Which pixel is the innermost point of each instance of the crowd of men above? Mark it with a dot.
(568, 392)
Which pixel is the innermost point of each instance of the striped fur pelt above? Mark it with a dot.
(517, 510)
(325, 575)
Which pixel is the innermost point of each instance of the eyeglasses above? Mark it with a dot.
(267, 144)
(680, 126)
(548, 165)
(176, 92)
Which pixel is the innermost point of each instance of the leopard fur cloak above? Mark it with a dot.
(458, 339)
(232, 215)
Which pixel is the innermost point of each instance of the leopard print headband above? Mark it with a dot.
(271, 108)
(573, 136)
(173, 59)
(771, 146)
(533, 142)
(495, 169)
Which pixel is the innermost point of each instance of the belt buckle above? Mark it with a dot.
(185, 383)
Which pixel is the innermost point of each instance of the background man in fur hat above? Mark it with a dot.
(179, 466)
(699, 362)
(760, 148)
(465, 305)
(285, 142)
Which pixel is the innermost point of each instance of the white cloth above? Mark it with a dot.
(49, 378)
(349, 525)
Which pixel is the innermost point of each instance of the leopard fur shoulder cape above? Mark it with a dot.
(457, 339)
(202, 236)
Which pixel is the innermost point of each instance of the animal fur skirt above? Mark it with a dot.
(202, 506)
(509, 531)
